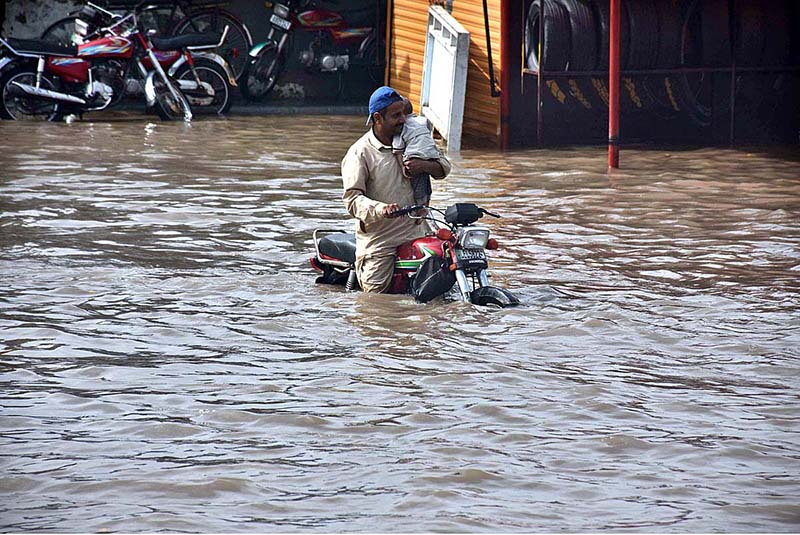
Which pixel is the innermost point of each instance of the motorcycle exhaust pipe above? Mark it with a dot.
(190, 86)
(46, 93)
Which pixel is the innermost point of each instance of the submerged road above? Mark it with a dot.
(168, 363)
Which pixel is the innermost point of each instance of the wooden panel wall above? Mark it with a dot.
(409, 19)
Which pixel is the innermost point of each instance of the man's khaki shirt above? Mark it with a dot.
(373, 178)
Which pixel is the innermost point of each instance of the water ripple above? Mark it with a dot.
(164, 344)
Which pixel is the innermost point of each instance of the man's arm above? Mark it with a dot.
(354, 180)
(436, 168)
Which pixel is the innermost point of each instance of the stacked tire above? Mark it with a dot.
(663, 35)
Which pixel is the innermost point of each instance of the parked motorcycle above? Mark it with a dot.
(176, 17)
(335, 47)
(426, 267)
(206, 78)
(48, 81)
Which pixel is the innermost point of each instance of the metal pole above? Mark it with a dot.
(505, 73)
(539, 76)
(731, 19)
(613, 86)
(387, 72)
(492, 79)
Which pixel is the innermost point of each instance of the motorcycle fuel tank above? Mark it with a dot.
(350, 35)
(107, 47)
(320, 19)
(411, 255)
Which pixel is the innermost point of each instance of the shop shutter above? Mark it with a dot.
(409, 20)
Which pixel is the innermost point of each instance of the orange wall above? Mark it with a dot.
(408, 21)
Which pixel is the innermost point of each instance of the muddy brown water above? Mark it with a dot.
(168, 363)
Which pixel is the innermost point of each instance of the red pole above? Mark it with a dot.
(613, 86)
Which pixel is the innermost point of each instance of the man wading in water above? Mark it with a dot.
(375, 187)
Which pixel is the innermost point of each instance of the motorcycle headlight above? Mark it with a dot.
(281, 10)
(474, 238)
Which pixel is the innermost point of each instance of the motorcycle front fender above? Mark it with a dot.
(258, 48)
(216, 58)
(150, 89)
(366, 43)
(7, 62)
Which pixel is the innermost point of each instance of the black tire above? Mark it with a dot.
(17, 106)
(261, 73)
(490, 295)
(61, 31)
(583, 36)
(638, 50)
(372, 56)
(659, 88)
(238, 42)
(705, 41)
(211, 73)
(583, 53)
(644, 34)
(750, 34)
(168, 106)
(642, 53)
(555, 49)
(366, 72)
(778, 38)
(715, 32)
(669, 24)
(602, 15)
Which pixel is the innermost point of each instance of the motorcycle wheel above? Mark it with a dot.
(490, 295)
(18, 106)
(61, 31)
(237, 43)
(168, 107)
(261, 73)
(210, 73)
(373, 56)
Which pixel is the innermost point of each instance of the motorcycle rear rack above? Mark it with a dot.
(328, 260)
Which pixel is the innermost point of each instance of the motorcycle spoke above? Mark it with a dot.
(213, 95)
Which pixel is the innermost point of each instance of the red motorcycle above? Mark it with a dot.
(205, 78)
(48, 81)
(335, 47)
(455, 254)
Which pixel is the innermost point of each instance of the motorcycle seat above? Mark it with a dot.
(32, 46)
(341, 246)
(186, 40)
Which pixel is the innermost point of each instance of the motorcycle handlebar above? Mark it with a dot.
(406, 210)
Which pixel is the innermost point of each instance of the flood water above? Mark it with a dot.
(168, 363)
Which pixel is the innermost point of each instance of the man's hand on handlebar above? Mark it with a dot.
(390, 210)
(394, 210)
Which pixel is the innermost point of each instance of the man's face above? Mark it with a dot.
(392, 124)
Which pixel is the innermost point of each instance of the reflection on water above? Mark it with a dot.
(168, 363)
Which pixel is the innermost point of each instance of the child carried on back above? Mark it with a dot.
(416, 141)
